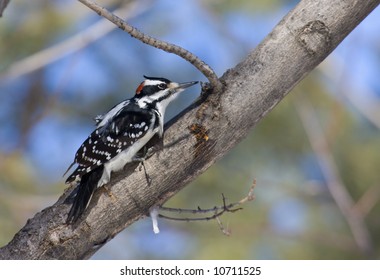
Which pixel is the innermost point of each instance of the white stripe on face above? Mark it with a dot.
(152, 82)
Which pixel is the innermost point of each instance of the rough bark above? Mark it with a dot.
(297, 45)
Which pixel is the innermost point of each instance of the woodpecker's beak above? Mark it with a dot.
(181, 86)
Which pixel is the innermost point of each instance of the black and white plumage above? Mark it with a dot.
(120, 134)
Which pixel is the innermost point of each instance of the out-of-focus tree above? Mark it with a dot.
(46, 113)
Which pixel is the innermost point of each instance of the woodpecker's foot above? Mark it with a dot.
(147, 177)
(142, 166)
(144, 154)
(159, 145)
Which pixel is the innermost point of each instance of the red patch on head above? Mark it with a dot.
(139, 88)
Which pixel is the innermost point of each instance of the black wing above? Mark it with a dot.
(130, 124)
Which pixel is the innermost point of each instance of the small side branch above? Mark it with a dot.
(170, 48)
(217, 210)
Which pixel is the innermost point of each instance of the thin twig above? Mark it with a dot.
(225, 231)
(329, 169)
(217, 210)
(187, 219)
(170, 48)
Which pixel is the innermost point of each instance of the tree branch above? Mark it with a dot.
(300, 41)
(216, 210)
(170, 48)
(338, 191)
(71, 45)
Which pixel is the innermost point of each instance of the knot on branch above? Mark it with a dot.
(315, 37)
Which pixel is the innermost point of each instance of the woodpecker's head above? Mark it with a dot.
(160, 90)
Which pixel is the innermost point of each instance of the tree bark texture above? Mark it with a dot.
(300, 41)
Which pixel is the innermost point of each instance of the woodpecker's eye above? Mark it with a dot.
(162, 86)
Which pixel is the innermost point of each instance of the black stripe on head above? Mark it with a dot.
(158, 79)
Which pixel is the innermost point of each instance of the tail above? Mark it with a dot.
(85, 190)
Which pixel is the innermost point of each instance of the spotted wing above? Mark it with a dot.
(121, 132)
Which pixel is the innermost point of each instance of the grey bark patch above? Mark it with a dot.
(315, 37)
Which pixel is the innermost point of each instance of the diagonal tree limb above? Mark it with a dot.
(300, 41)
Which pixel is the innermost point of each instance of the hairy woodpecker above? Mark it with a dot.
(119, 135)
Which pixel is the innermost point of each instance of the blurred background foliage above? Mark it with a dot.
(315, 156)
